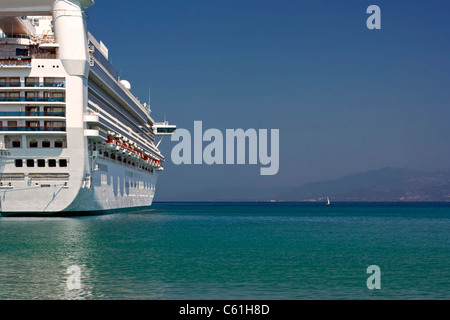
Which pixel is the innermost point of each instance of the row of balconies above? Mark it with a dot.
(47, 126)
(8, 63)
(32, 96)
(33, 128)
(34, 84)
(44, 82)
(31, 99)
(13, 112)
(32, 114)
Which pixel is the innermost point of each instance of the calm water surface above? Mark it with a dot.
(231, 251)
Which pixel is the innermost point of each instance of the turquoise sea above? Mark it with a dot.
(178, 251)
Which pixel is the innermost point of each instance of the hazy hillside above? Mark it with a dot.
(387, 184)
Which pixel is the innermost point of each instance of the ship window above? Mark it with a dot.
(45, 144)
(31, 82)
(16, 144)
(63, 162)
(58, 144)
(165, 130)
(58, 95)
(32, 124)
(14, 82)
(12, 125)
(31, 95)
(32, 111)
(58, 124)
(19, 163)
(41, 163)
(52, 163)
(30, 163)
(55, 111)
(21, 52)
(33, 144)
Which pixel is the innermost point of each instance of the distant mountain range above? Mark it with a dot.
(386, 184)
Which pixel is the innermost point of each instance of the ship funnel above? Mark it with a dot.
(13, 8)
(70, 34)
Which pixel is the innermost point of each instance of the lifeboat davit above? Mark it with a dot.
(110, 145)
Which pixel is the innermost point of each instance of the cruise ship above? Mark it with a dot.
(74, 139)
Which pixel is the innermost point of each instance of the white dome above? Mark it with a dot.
(126, 84)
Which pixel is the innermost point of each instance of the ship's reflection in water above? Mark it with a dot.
(36, 254)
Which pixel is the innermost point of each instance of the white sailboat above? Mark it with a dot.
(328, 201)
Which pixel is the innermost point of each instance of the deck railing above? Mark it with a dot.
(14, 63)
(32, 128)
(32, 114)
(33, 99)
(15, 36)
(33, 84)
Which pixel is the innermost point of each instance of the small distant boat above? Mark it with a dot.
(328, 201)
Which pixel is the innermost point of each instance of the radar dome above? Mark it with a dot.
(126, 84)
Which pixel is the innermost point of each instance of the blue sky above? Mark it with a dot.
(345, 98)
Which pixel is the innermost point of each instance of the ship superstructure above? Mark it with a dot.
(73, 137)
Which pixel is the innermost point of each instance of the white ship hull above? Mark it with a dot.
(117, 188)
(73, 138)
